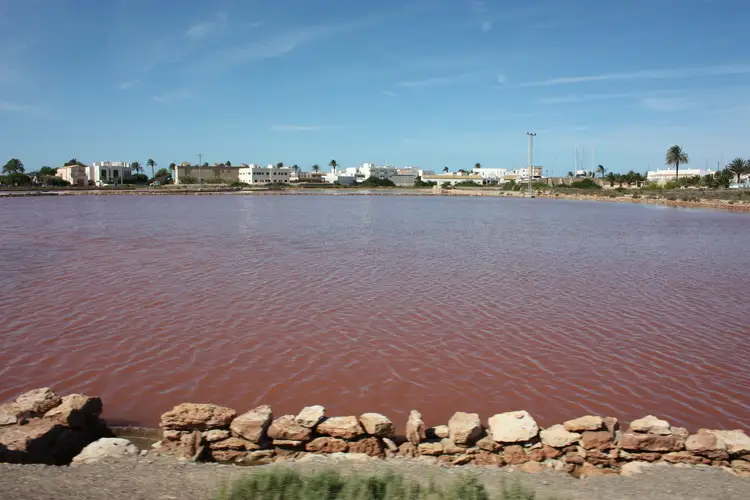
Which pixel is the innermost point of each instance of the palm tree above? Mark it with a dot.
(14, 166)
(333, 164)
(675, 156)
(315, 168)
(295, 167)
(738, 166)
(172, 166)
(151, 163)
(228, 164)
(601, 170)
(611, 178)
(477, 165)
(280, 164)
(136, 167)
(445, 169)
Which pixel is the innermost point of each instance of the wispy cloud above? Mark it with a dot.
(667, 103)
(575, 98)
(303, 128)
(437, 81)
(31, 111)
(168, 97)
(129, 84)
(487, 26)
(390, 93)
(206, 28)
(661, 74)
(502, 79)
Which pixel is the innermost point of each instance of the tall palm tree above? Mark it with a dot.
(445, 169)
(136, 167)
(315, 168)
(14, 166)
(675, 156)
(477, 165)
(601, 171)
(151, 163)
(738, 166)
(611, 178)
(172, 166)
(333, 164)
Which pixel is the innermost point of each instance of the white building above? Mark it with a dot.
(493, 174)
(105, 172)
(255, 174)
(453, 178)
(76, 175)
(664, 175)
(522, 174)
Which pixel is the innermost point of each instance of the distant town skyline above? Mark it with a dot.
(407, 83)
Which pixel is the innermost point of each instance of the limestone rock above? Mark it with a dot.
(288, 443)
(551, 453)
(633, 468)
(415, 431)
(234, 443)
(390, 444)
(537, 455)
(465, 428)
(488, 458)
(197, 416)
(558, 437)
(587, 470)
(212, 436)
(488, 444)
(229, 455)
(341, 427)
(599, 440)
(31, 404)
(39, 441)
(439, 432)
(451, 448)
(260, 457)
(532, 468)
(376, 424)
(513, 427)
(287, 428)
(174, 435)
(587, 423)
(310, 416)
(408, 449)
(254, 424)
(431, 449)
(515, 455)
(651, 425)
(652, 442)
(76, 411)
(462, 460)
(327, 445)
(685, 457)
(370, 446)
(105, 448)
(741, 465)
(736, 441)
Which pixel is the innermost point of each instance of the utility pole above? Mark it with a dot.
(200, 165)
(531, 157)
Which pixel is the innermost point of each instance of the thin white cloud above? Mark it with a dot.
(575, 98)
(129, 84)
(206, 28)
(303, 128)
(661, 74)
(502, 79)
(436, 81)
(31, 111)
(390, 93)
(667, 103)
(178, 95)
(486, 26)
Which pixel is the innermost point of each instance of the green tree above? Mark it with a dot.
(315, 168)
(332, 164)
(570, 174)
(280, 164)
(151, 163)
(45, 170)
(172, 166)
(676, 156)
(163, 172)
(14, 166)
(228, 164)
(611, 178)
(445, 169)
(738, 166)
(72, 162)
(136, 167)
(477, 165)
(601, 170)
(295, 168)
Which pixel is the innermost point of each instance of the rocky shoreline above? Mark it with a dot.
(718, 204)
(40, 427)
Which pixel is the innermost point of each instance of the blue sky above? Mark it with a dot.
(420, 82)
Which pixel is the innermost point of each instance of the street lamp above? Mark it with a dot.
(531, 158)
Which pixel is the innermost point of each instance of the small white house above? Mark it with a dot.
(106, 172)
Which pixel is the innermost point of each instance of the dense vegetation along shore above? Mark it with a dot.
(732, 200)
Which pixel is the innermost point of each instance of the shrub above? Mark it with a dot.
(672, 185)
(467, 184)
(237, 184)
(585, 184)
(187, 180)
(376, 182)
(509, 186)
(283, 484)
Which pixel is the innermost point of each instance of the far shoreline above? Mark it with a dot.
(687, 198)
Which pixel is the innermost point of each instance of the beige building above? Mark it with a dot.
(77, 175)
(213, 174)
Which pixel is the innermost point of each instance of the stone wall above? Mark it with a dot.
(586, 446)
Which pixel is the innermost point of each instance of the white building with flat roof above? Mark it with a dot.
(664, 175)
(495, 174)
(106, 172)
(255, 174)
